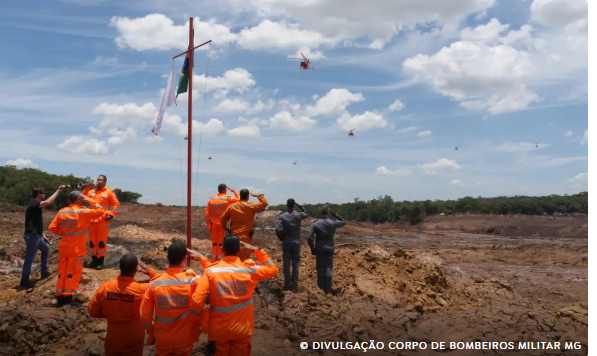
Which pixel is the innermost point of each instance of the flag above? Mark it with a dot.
(167, 100)
(183, 82)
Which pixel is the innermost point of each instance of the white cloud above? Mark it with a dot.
(378, 20)
(280, 35)
(432, 168)
(249, 130)
(307, 52)
(83, 145)
(398, 172)
(396, 106)
(285, 121)
(568, 133)
(424, 133)
(254, 190)
(334, 102)
(238, 79)
(232, 106)
(21, 162)
(519, 147)
(363, 122)
(581, 178)
(158, 32)
(459, 183)
(271, 180)
(556, 13)
(485, 70)
(585, 138)
(408, 129)
(122, 115)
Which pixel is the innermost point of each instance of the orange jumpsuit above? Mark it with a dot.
(216, 205)
(242, 215)
(119, 301)
(230, 283)
(170, 296)
(72, 223)
(100, 228)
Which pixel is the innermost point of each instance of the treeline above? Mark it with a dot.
(385, 209)
(16, 185)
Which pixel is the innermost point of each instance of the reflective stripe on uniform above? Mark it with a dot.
(65, 291)
(269, 263)
(81, 260)
(226, 199)
(171, 320)
(104, 196)
(106, 206)
(71, 212)
(231, 308)
(173, 282)
(231, 269)
(74, 233)
(98, 206)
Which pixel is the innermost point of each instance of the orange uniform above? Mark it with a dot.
(170, 296)
(242, 214)
(119, 301)
(230, 283)
(72, 224)
(216, 205)
(100, 227)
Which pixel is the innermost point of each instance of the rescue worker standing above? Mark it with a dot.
(323, 231)
(288, 229)
(242, 214)
(119, 301)
(100, 227)
(169, 297)
(230, 284)
(34, 236)
(72, 224)
(216, 205)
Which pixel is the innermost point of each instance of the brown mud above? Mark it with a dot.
(447, 279)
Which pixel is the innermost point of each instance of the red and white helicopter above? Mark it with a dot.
(351, 132)
(305, 63)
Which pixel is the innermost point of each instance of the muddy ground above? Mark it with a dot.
(451, 278)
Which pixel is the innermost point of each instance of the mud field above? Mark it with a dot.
(451, 278)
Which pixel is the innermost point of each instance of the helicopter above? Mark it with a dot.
(351, 132)
(305, 63)
(209, 158)
(186, 137)
(456, 148)
(294, 162)
(537, 144)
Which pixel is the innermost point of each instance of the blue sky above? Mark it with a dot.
(83, 79)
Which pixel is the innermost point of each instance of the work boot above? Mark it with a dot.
(100, 263)
(45, 275)
(59, 301)
(93, 263)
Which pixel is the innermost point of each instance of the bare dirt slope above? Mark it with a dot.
(396, 285)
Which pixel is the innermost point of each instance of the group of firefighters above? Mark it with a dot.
(171, 308)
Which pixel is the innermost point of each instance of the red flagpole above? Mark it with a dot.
(190, 136)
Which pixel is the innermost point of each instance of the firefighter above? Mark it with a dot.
(71, 224)
(100, 227)
(242, 216)
(230, 283)
(216, 205)
(119, 301)
(169, 298)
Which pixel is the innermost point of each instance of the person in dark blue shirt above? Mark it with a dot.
(34, 236)
(288, 229)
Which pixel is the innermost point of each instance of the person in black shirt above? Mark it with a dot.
(34, 236)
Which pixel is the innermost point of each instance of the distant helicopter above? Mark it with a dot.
(305, 63)
(351, 132)
(186, 137)
(456, 148)
(537, 144)
(294, 162)
(209, 158)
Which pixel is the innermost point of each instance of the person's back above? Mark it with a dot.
(230, 284)
(288, 227)
(242, 214)
(119, 301)
(169, 296)
(323, 231)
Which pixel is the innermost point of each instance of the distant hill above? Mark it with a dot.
(16, 185)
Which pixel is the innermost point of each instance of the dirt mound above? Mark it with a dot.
(509, 225)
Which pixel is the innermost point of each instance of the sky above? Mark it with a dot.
(82, 81)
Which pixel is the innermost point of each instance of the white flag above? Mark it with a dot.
(167, 101)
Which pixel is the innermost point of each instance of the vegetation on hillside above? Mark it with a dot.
(16, 185)
(385, 209)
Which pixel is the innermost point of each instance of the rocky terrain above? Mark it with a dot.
(450, 278)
